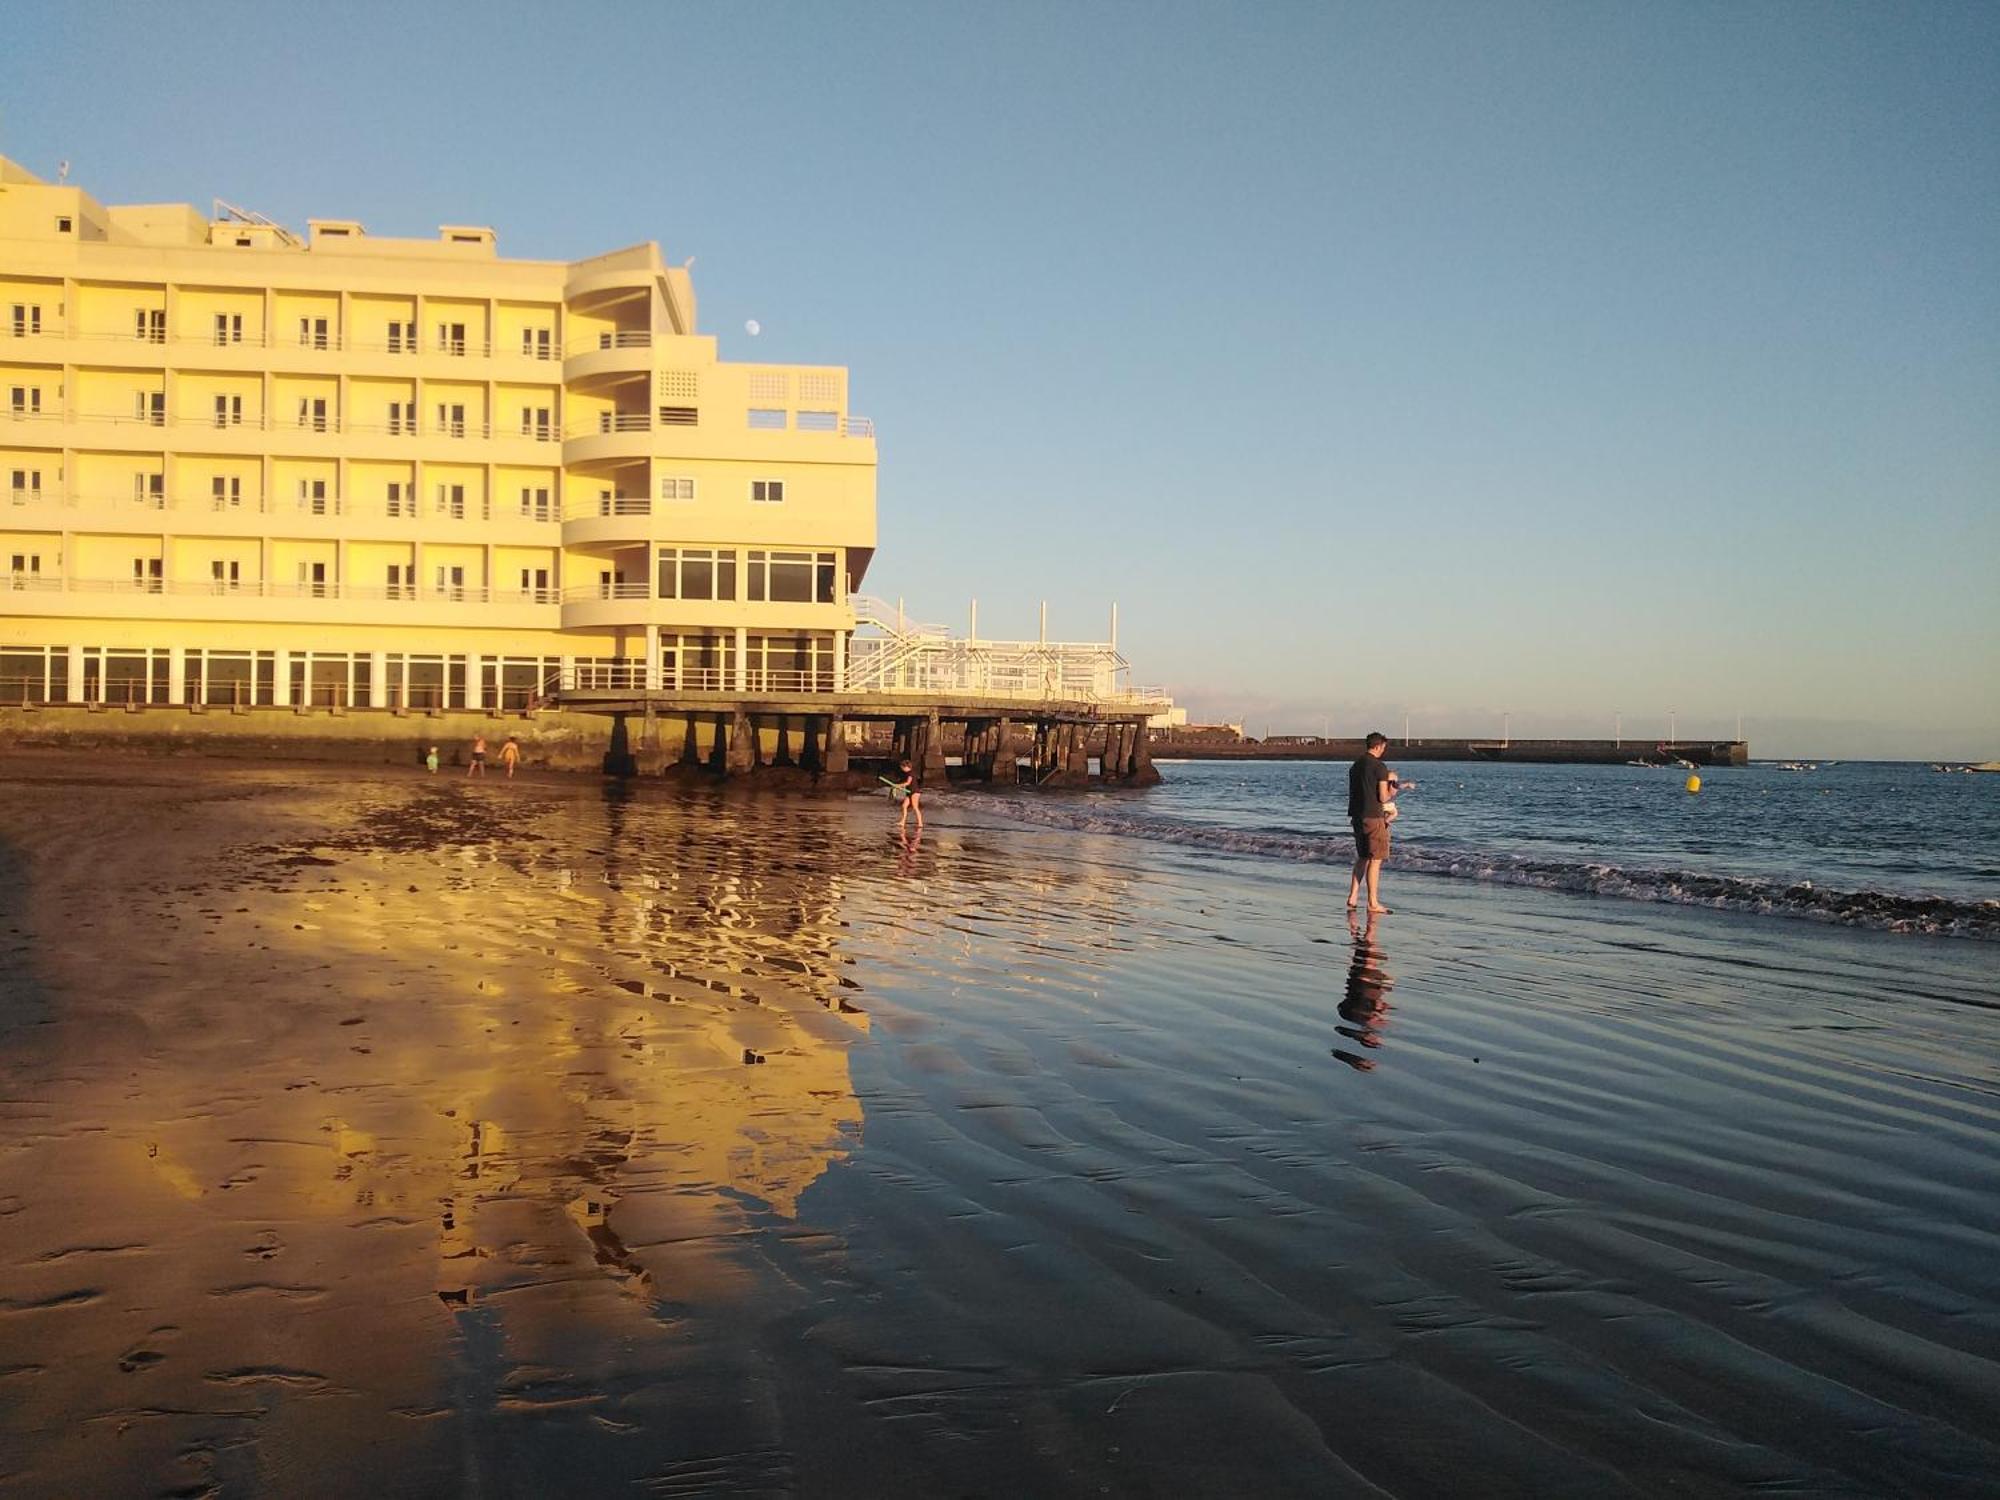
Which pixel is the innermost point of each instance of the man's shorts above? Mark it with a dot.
(1371, 838)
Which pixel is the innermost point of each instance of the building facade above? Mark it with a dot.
(246, 467)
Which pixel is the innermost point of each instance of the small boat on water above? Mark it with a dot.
(1796, 765)
(1985, 765)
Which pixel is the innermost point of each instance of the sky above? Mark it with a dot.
(1555, 366)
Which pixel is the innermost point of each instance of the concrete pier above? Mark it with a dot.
(809, 736)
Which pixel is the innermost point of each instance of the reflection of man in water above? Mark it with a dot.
(1366, 1003)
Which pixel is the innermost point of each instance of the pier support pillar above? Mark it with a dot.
(690, 745)
(618, 759)
(783, 754)
(1143, 772)
(812, 755)
(1000, 753)
(836, 745)
(932, 767)
(741, 756)
(718, 744)
(1079, 752)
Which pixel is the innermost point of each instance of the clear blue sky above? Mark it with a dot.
(1557, 360)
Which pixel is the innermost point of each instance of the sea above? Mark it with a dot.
(1887, 845)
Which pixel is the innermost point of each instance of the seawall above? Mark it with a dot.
(549, 741)
(1520, 752)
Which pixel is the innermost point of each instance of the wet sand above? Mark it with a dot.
(394, 1135)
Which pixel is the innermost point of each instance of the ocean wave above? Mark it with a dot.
(1883, 910)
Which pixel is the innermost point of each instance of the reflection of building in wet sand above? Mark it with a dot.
(487, 1067)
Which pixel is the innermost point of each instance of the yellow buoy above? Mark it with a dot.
(1694, 783)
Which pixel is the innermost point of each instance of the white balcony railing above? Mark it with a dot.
(608, 505)
(466, 593)
(610, 338)
(586, 593)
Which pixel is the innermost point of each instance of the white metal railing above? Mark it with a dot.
(254, 588)
(330, 505)
(891, 654)
(857, 427)
(610, 338)
(329, 342)
(585, 593)
(610, 421)
(607, 505)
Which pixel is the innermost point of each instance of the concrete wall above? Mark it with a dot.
(549, 741)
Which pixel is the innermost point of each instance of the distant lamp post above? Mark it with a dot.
(1506, 729)
(1618, 731)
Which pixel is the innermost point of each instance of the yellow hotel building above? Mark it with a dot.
(244, 468)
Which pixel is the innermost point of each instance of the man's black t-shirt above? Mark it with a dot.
(1365, 780)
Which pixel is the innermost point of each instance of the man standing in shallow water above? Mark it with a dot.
(1371, 801)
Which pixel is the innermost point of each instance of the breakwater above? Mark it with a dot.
(1516, 751)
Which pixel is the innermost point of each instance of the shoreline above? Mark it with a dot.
(390, 1130)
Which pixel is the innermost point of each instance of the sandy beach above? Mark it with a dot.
(377, 1133)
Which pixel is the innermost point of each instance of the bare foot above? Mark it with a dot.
(1378, 911)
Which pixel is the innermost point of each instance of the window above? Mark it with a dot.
(451, 501)
(451, 338)
(697, 573)
(400, 498)
(150, 490)
(451, 418)
(27, 320)
(225, 575)
(150, 407)
(64, 224)
(149, 325)
(537, 343)
(536, 423)
(535, 502)
(229, 328)
(402, 418)
(313, 333)
(792, 577)
(312, 581)
(25, 486)
(312, 413)
(402, 338)
(225, 491)
(451, 581)
(535, 585)
(26, 567)
(767, 419)
(146, 575)
(676, 487)
(228, 411)
(312, 496)
(402, 581)
(767, 491)
(25, 400)
(819, 421)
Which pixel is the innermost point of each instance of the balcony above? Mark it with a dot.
(609, 352)
(609, 520)
(270, 601)
(609, 437)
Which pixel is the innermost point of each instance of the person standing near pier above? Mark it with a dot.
(1371, 792)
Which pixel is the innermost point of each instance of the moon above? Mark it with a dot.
(753, 328)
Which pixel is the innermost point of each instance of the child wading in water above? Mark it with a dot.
(910, 793)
